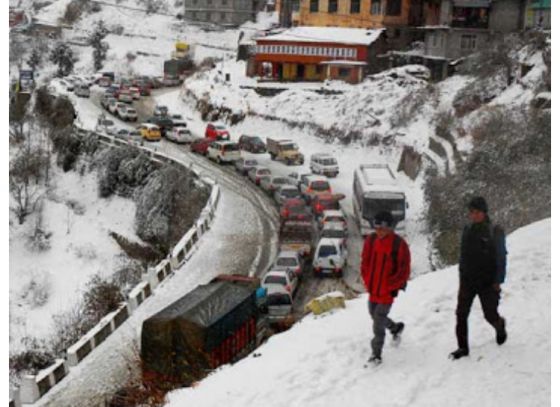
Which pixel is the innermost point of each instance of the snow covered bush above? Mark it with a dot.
(509, 165)
(37, 289)
(128, 275)
(101, 297)
(100, 47)
(35, 357)
(39, 239)
(68, 327)
(62, 56)
(86, 251)
(57, 112)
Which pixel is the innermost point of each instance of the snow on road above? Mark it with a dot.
(320, 361)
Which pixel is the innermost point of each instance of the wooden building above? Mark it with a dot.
(318, 53)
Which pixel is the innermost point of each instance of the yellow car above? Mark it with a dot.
(150, 132)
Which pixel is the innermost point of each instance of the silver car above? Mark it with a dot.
(244, 165)
(272, 182)
(285, 192)
(289, 260)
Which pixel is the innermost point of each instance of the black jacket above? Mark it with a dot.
(483, 255)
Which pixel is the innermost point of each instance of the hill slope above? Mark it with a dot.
(320, 361)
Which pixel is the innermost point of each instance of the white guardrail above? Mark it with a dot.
(33, 387)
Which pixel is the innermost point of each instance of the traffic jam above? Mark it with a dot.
(313, 233)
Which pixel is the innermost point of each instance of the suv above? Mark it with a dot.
(127, 113)
(314, 185)
(285, 192)
(223, 151)
(200, 146)
(252, 144)
(324, 164)
(180, 135)
(330, 257)
(256, 173)
(271, 183)
(217, 131)
(280, 279)
(243, 165)
(289, 260)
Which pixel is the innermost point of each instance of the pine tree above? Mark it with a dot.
(100, 47)
(63, 56)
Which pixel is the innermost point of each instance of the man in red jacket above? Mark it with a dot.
(385, 270)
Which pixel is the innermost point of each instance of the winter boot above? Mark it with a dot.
(458, 354)
(396, 330)
(375, 360)
(501, 334)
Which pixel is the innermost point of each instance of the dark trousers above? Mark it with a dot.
(381, 321)
(489, 300)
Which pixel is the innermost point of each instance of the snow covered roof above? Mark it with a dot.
(343, 62)
(339, 35)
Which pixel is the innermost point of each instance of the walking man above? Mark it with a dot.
(385, 269)
(482, 269)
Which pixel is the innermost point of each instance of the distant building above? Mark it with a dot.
(222, 12)
(465, 26)
(318, 53)
(537, 14)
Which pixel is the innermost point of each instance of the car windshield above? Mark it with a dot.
(107, 123)
(183, 132)
(256, 140)
(334, 219)
(327, 250)
(290, 193)
(287, 147)
(231, 147)
(264, 171)
(286, 262)
(281, 181)
(372, 206)
(320, 185)
(219, 127)
(329, 204)
(251, 162)
(134, 133)
(329, 161)
(131, 111)
(275, 280)
(334, 233)
(279, 299)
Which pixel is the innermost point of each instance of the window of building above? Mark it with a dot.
(224, 2)
(355, 6)
(194, 2)
(470, 17)
(223, 16)
(344, 72)
(313, 6)
(393, 7)
(468, 42)
(434, 40)
(207, 16)
(333, 6)
(375, 7)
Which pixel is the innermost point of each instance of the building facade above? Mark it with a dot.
(465, 26)
(222, 12)
(318, 53)
(537, 14)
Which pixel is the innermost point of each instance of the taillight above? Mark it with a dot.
(297, 270)
(309, 190)
(319, 208)
(288, 288)
(284, 213)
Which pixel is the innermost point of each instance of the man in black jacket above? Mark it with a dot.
(482, 268)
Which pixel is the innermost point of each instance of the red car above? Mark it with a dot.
(200, 146)
(216, 131)
(322, 202)
(295, 209)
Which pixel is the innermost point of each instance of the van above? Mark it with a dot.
(224, 151)
(150, 132)
(324, 164)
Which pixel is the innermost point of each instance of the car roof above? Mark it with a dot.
(276, 272)
(334, 226)
(322, 155)
(224, 142)
(332, 212)
(288, 186)
(150, 125)
(312, 178)
(261, 167)
(217, 124)
(294, 201)
(288, 253)
(276, 289)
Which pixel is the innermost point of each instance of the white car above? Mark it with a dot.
(332, 216)
(335, 230)
(256, 173)
(125, 96)
(289, 260)
(114, 107)
(105, 125)
(179, 123)
(280, 279)
(271, 183)
(280, 304)
(180, 135)
(330, 257)
(224, 151)
(134, 92)
(127, 113)
(324, 164)
(69, 86)
(82, 90)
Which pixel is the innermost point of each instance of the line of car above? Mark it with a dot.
(313, 232)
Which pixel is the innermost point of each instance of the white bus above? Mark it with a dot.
(375, 189)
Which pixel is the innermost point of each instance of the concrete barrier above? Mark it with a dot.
(33, 387)
(138, 295)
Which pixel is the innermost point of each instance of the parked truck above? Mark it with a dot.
(298, 236)
(216, 323)
(284, 150)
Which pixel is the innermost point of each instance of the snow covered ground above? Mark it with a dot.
(81, 247)
(320, 361)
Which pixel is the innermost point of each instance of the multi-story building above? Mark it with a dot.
(222, 12)
(537, 14)
(465, 26)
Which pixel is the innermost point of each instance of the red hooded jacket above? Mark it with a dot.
(379, 274)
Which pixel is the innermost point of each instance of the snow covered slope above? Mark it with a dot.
(320, 361)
